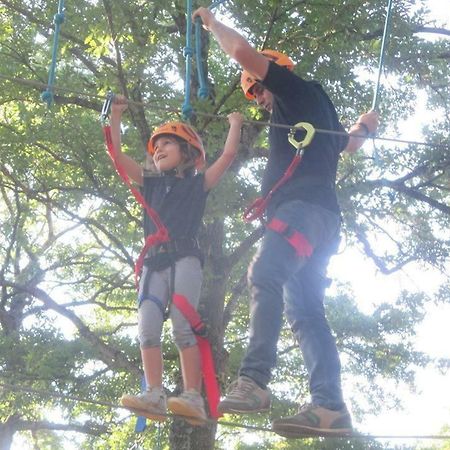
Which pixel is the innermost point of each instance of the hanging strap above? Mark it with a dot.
(257, 208)
(208, 369)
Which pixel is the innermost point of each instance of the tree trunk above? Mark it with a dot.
(7, 431)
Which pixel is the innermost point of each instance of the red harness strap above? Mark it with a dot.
(295, 238)
(208, 370)
(160, 236)
(257, 208)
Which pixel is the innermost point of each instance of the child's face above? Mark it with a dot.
(167, 154)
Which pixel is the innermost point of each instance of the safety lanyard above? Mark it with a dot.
(257, 208)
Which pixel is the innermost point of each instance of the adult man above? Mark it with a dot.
(302, 233)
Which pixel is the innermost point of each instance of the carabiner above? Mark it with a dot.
(106, 108)
(299, 145)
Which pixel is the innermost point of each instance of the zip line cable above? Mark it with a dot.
(14, 388)
(155, 106)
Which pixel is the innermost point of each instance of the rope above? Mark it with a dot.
(187, 53)
(155, 106)
(13, 388)
(203, 90)
(382, 53)
(47, 95)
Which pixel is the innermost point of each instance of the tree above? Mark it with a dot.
(70, 229)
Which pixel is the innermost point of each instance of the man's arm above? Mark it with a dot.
(366, 125)
(234, 45)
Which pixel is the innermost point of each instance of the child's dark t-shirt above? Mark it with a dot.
(179, 202)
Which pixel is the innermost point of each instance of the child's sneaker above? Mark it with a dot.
(150, 404)
(314, 420)
(190, 405)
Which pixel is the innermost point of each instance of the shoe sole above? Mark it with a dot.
(242, 411)
(145, 413)
(296, 431)
(234, 410)
(191, 415)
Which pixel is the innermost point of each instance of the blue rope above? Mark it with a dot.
(47, 95)
(188, 51)
(203, 90)
(383, 49)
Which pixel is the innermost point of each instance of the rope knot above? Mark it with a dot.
(47, 97)
(187, 110)
(188, 51)
(203, 92)
(59, 18)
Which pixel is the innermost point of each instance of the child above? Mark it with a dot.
(178, 194)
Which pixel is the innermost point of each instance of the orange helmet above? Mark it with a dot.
(248, 80)
(184, 132)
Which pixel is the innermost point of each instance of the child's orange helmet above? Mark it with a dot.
(184, 132)
(248, 80)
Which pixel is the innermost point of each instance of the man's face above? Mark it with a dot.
(263, 97)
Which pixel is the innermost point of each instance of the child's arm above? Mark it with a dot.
(214, 173)
(365, 125)
(132, 168)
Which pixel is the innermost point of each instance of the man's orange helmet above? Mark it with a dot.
(184, 132)
(248, 80)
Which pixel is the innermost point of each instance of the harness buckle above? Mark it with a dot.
(300, 145)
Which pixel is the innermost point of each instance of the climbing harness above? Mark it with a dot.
(257, 208)
(298, 240)
(47, 95)
(161, 237)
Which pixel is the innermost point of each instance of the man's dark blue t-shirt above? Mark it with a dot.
(296, 100)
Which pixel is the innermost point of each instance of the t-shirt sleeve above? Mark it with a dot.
(280, 81)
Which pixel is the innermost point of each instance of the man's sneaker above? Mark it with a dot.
(150, 404)
(245, 396)
(314, 420)
(190, 405)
